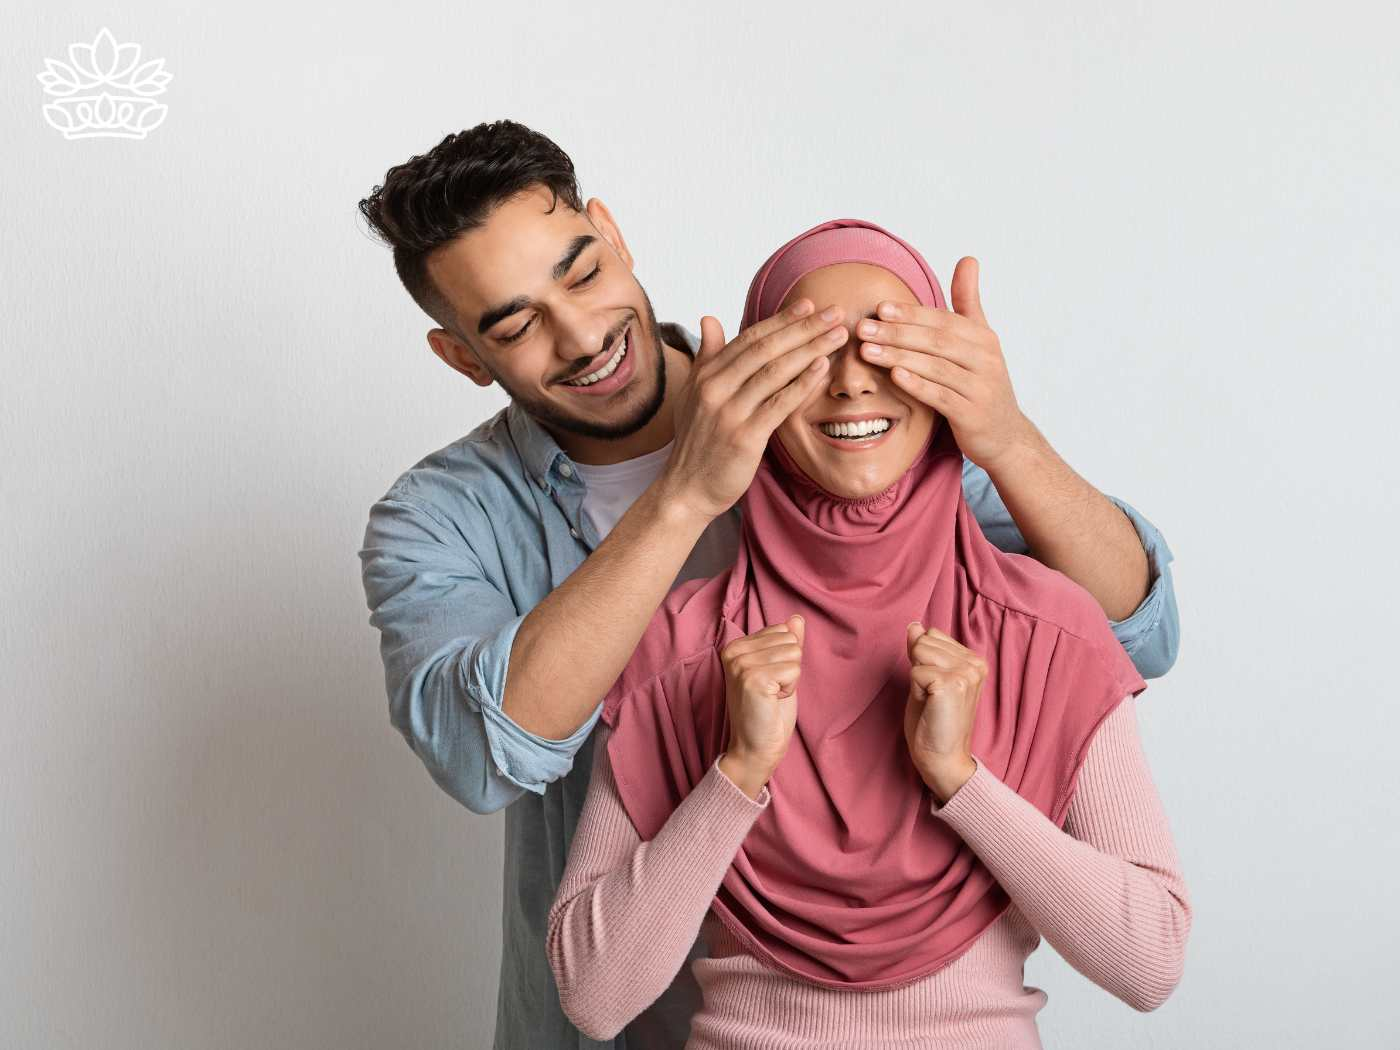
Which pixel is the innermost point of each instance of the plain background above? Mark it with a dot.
(1186, 217)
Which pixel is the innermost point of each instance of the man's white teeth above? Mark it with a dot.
(865, 428)
(607, 370)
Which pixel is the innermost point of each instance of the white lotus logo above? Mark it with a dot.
(104, 90)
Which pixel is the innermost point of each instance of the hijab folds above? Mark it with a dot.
(848, 879)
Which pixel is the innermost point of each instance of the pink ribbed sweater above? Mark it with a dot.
(1106, 892)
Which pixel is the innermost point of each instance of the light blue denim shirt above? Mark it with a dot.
(463, 545)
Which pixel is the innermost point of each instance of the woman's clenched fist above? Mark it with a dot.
(945, 681)
(760, 675)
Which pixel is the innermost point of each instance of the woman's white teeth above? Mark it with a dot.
(607, 370)
(865, 428)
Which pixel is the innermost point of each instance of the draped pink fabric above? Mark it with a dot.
(848, 880)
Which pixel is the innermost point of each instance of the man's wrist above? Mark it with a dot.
(676, 507)
(1027, 452)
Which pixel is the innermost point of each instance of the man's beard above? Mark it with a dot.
(551, 415)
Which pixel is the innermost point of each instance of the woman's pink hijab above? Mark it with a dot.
(847, 879)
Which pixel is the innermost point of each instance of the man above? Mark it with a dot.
(512, 573)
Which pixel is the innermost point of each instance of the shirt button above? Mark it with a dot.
(574, 532)
(566, 470)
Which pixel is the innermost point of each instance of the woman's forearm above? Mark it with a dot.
(627, 912)
(1107, 892)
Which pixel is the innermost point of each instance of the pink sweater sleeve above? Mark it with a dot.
(627, 912)
(1107, 892)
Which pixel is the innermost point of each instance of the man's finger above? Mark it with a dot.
(779, 406)
(943, 400)
(920, 338)
(789, 315)
(945, 325)
(944, 322)
(932, 367)
(784, 371)
(763, 367)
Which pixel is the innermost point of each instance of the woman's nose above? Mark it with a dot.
(851, 375)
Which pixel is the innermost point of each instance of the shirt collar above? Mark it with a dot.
(538, 449)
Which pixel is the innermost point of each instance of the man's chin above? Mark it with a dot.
(633, 419)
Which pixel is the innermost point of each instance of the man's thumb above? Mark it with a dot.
(711, 337)
(967, 300)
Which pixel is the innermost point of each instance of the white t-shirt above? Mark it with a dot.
(610, 489)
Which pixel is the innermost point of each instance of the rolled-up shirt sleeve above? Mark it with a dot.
(446, 631)
(1151, 633)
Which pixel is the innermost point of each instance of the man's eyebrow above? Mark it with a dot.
(499, 313)
(575, 249)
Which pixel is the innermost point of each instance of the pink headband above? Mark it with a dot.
(829, 243)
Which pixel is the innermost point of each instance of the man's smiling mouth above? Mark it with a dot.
(609, 366)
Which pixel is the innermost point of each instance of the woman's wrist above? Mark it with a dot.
(748, 774)
(945, 778)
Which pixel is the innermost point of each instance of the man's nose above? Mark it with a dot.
(580, 334)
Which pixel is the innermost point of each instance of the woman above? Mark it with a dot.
(871, 863)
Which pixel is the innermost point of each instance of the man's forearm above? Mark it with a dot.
(1071, 526)
(572, 646)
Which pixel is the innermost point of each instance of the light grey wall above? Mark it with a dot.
(1186, 220)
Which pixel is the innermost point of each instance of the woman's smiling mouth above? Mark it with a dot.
(856, 433)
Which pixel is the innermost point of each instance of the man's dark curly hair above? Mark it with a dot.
(433, 198)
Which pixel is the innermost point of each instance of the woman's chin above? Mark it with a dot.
(854, 474)
(844, 486)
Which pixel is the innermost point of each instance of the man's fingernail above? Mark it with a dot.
(868, 328)
(803, 308)
(871, 350)
(889, 310)
(830, 313)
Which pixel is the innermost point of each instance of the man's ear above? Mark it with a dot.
(459, 357)
(603, 222)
